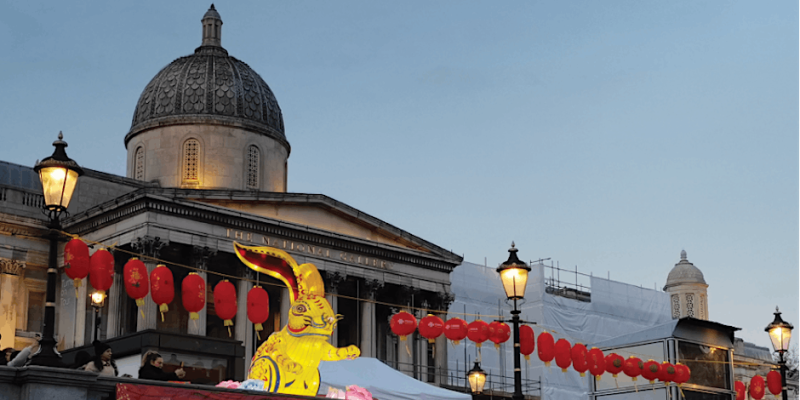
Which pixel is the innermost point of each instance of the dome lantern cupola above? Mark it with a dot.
(688, 290)
(208, 121)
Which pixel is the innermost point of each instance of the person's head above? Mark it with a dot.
(102, 350)
(7, 353)
(154, 359)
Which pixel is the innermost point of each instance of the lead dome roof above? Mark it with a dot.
(684, 272)
(209, 86)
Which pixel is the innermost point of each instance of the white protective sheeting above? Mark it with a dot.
(384, 382)
(615, 309)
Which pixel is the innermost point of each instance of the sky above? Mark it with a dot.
(607, 136)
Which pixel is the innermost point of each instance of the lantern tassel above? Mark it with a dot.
(634, 385)
(77, 283)
(163, 308)
(229, 323)
(615, 381)
(229, 332)
(407, 350)
(140, 302)
(194, 316)
(142, 312)
(681, 390)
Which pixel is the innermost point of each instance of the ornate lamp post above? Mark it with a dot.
(477, 378)
(59, 175)
(514, 275)
(780, 333)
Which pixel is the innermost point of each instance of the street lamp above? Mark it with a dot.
(59, 176)
(98, 299)
(514, 275)
(780, 333)
(477, 378)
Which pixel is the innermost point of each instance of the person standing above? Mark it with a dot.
(102, 362)
(152, 364)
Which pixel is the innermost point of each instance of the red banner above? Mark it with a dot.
(127, 391)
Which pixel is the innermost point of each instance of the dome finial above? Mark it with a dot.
(212, 28)
(683, 255)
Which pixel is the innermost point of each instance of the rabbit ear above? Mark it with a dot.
(301, 280)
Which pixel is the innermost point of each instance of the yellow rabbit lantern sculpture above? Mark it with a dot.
(288, 361)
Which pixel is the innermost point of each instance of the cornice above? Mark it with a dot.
(140, 201)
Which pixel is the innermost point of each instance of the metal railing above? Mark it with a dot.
(573, 284)
(456, 379)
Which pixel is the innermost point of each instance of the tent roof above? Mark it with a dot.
(383, 381)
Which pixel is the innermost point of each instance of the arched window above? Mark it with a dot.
(253, 162)
(138, 164)
(191, 157)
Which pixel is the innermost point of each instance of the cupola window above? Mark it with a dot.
(253, 162)
(138, 164)
(191, 155)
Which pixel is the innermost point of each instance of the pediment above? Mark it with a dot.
(327, 215)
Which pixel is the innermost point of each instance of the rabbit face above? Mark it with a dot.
(312, 315)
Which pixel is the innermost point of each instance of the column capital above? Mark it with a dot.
(333, 280)
(371, 287)
(443, 300)
(11, 267)
(201, 256)
(149, 246)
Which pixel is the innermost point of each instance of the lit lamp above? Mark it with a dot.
(59, 176)
(477, 378)
(780, 333)
(514, 275)
(98, 299)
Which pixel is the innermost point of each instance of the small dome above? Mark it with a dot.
(684, 272)
(209, 86)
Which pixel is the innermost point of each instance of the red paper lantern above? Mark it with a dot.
(455, 329)
(526, 341)
(478, 332)
(76, 262)
(667, 373)
(580, 361)
(136, 283)
(193, 294)
(614, 364)
(757, 387)
(431, 327)
(499, 332)
(597, 363)
(403, 324)
(162, 288)
(651, 370)
(225, 302)
(101, 270)
(258, 308)
(563, 356)
(546, 346)
(774, 383)
(741, 389)
(682, 374)
(633, 367)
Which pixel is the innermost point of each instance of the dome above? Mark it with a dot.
(209, 87)
(684, 272)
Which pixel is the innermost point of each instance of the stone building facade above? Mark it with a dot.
(207, 165)
(688, 290)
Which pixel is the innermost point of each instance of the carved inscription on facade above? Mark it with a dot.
(316, 251)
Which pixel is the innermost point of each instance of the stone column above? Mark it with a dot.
(333, 280)
(66, 312)
(405, 359)
(201, 257)
(440, 353)
(115, 300)
(286, 304)
(422, 347)
(244, 328)
(149, 248)
(10, 271)
(368, 327)
(80, 314)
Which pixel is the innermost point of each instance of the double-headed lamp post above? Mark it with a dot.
(514, 275)
(780, 333)
(59, 175)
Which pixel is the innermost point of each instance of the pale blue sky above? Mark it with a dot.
(608, 135)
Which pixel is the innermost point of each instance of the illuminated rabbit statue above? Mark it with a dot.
(287, 362)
